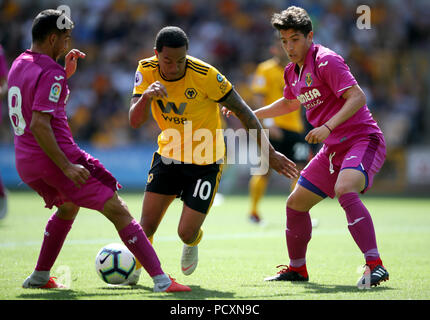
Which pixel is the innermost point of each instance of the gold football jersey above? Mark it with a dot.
(269, 81)
(189, 118)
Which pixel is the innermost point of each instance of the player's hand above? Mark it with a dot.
(156, 90)
(227, 113)
(283, 165)
(77, 173)
(71, 61)
(317, 135)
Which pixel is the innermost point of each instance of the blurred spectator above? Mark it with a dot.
(390, 60)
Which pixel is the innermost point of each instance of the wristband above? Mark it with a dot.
(327, 127)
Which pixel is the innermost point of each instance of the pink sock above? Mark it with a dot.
(298, 235)
(360, 225)
(55, 233)
(137, 242)
(2, 194)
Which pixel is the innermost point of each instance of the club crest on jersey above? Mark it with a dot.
(55, 92)
(150, 177)
(309, 80)
(191, 93)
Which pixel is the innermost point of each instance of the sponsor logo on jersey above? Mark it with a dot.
(55, 92)
(138, 78)
(309, 96)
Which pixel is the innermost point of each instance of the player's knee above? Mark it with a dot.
(149, 229)
(116, 210)
(342, 188)
(295, 202)
(67, 211)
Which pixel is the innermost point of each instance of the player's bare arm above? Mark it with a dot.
(140, 106)
(243, 112)
(278, 108)
(355, 99)
(42, 131)
(71, 61)
(3, 87)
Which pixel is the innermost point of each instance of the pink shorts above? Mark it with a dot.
(55, 188)
(366, 155)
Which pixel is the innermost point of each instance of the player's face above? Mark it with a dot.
(61, 43)
(172, 62)
(295, 44)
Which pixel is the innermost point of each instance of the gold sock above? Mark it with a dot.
(257, 188)
(197, 240)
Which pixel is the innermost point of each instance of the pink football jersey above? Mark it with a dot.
(3, 72)
(319, 86)
(38, 83)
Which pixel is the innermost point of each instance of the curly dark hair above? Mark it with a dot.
(293, 17)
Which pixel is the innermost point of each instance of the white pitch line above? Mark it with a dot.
(259, 235)
(249, 235)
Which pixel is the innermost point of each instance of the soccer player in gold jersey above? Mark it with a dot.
(286, 131)
(183, 93)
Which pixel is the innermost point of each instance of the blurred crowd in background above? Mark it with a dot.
(390, 60)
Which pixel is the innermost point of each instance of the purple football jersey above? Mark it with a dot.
(3, 72)
(319, 86)
(38, 83)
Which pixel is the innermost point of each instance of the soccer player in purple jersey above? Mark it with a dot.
(353, 145)
(50, 162)
(3, 93)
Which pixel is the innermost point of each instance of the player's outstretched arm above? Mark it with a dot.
(42, 131)
(278, 108)
(277, 161)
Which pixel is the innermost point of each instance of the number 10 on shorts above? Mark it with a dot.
(203, 190)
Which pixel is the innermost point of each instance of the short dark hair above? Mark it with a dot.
(46, 22)
(172, 37)
(293, 17)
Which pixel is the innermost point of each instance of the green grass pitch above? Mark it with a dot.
(234, 255)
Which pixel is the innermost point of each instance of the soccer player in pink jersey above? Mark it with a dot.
(353, 145)
(3, 93)
(50, 162)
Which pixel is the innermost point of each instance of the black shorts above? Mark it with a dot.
(195, 185)
(293, 146)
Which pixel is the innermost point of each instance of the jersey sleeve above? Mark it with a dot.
(288, 94)
(259, 82)
(217, 85)
(52, 85)
(140, 83)
(336, 74)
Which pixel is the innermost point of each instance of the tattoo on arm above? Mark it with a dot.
(238, 106)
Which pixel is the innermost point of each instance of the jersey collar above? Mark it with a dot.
(308, 59)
